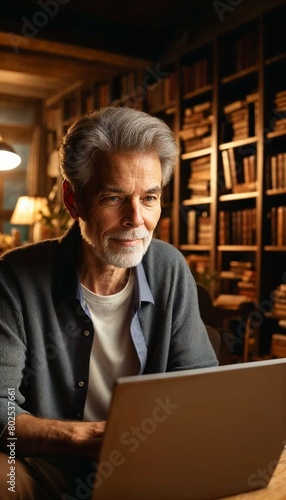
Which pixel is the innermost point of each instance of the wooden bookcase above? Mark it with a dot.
(196, 217)
(229, 202)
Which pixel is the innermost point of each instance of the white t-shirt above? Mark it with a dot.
(113, 353)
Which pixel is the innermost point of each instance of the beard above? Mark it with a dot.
(113, 253)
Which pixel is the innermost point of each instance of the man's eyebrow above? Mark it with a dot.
(155, 189)
(116, 189)
(112, 189)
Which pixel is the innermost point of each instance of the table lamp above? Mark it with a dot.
(26, 212)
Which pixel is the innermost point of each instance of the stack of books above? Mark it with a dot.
(280, 108)
(197, 127)
(247, 284)
(237, 269)
(200, 266)
(243, 277)
(199, 180)
(242, 115)
(278, 297)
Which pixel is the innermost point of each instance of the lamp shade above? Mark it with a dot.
(27, 209)
(8, 158)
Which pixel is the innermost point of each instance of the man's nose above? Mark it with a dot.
(132, 216)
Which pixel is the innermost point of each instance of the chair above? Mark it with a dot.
(215, 339)
(208, 312)
(219, 336)
(241, 320)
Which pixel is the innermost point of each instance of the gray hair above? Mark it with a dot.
(111, 130)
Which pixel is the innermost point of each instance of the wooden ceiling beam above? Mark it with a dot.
(32, 80)
(19, 43)
(15, 132)
(52, 66)
(26, 91)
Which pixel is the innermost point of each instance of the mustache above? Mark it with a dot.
(131, 234)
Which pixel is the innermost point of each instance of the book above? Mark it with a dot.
(240, 264)
(202, 107)
(234, 106)
(273, 168)
(224, 227)
(281, 226)
(198, 131)
(280, 170)
(192, 227)
(229, 301)
(199, 264)
(232, 164)
(245, 187)
(226, 169)
(253, 97)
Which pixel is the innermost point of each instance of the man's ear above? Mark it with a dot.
(69, 199)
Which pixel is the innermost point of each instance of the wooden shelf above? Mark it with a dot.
(275, 315)
(198, 92)
(196, 154)
(275, 192)
(239, 74)
(199, 201)
(237, 144)
(197, 248)
(238, 196)
(275, 59)
(237, 248)
(272, 248)
(168, 108)
(276, 133)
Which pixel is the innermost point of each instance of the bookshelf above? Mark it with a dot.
(229, 209)
(196, 213)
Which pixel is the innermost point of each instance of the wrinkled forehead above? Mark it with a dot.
(118, 168)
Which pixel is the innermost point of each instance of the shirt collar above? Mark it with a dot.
(144, 293)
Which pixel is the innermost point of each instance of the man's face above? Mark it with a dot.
(120, 207)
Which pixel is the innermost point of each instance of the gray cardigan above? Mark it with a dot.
(46, 333)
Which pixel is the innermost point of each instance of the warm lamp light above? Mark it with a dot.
(27, 211)
(8, 158)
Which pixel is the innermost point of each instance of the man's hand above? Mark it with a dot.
(41, 436)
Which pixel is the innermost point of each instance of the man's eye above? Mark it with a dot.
(112, 199)
(150, 198)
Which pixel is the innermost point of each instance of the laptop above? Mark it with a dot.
(195, 435)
